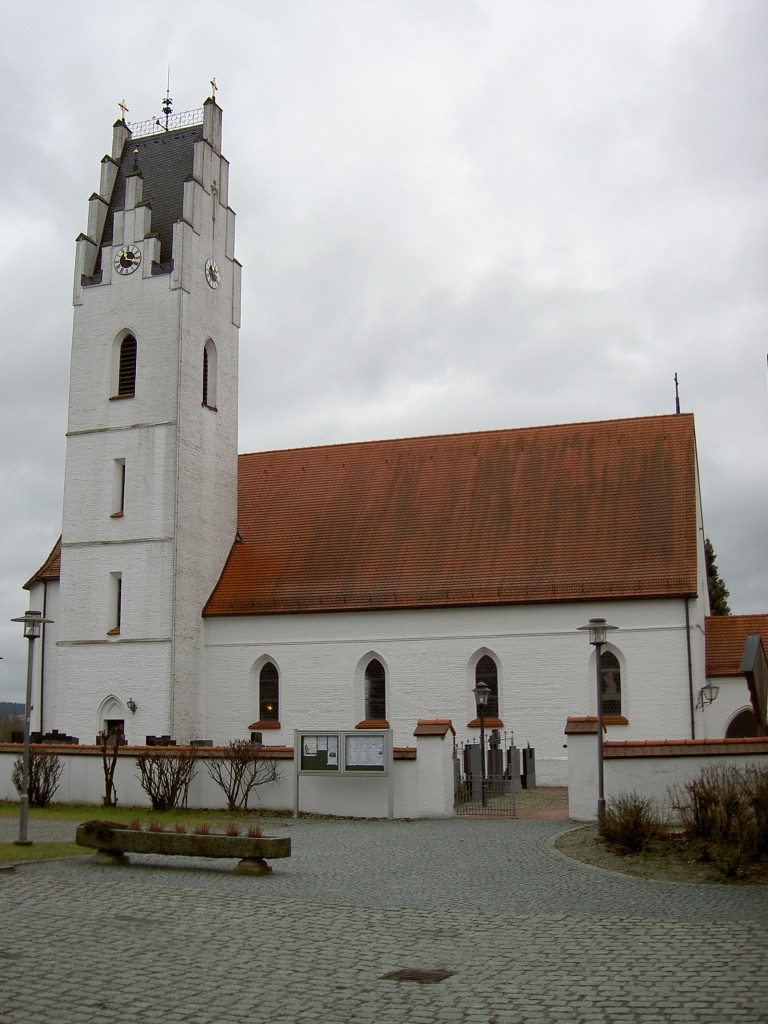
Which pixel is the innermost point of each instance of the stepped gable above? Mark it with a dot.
(165, 161)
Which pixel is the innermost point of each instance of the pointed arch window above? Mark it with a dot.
(487, 672)
(375, 691)
(610, 683)
(126, 374)
(209, 375)
(269, 693)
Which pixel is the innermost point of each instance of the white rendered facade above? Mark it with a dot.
(546, 671)
(150, 516)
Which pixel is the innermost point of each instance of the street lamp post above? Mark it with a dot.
(597, 629)
(482, 692)
(33, 623)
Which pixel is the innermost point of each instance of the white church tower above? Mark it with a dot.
(150, 490)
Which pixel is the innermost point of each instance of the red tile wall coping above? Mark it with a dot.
(736, 746)
(585, 724)
(434, 727)
(85, 750)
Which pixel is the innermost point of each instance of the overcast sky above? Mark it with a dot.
(452, 215)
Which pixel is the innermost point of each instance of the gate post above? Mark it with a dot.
(434, 767)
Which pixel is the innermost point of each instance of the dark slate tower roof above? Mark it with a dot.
(165, 161)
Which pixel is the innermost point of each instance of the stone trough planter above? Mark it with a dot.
(113, 840)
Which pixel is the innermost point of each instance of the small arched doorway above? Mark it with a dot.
(742, 724)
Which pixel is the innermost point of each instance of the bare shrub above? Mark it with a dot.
(631, 823)
(45, 770)
(725, 813)
(757, 789)
(166, 778)
(240, 771)
(109, 752)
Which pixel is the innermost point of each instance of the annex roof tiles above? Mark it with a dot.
(50, 569)
(726, 636)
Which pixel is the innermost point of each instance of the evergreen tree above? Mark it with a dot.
(718, 592)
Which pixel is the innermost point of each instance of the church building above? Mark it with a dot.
(199, 594)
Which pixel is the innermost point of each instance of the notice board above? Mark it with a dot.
(355, 751)
(365, 753)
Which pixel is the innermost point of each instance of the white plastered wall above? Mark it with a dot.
(546, 670)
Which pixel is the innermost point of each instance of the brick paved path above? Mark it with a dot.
(530, 936)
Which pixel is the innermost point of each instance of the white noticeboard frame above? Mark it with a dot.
(363, 753)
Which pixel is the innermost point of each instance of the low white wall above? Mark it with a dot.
(650, 769)
(423, 784)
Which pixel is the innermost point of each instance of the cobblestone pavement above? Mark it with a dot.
(528, 935)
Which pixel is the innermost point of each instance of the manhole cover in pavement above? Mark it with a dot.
(417, 974)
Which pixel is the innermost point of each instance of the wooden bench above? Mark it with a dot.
(113, 840)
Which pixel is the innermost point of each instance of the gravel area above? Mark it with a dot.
(672, 864)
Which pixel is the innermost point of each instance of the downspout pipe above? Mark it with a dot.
(690, 667)
(42, 655)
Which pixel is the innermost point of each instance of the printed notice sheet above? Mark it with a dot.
(364, 753)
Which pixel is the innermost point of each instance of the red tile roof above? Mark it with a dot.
(50, 569)
(726, 635)
(433, 727)
(574, 512)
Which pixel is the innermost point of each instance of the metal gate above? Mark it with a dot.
(486, 781)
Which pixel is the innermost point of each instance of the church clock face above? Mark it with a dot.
(127, 260)
(212, 273)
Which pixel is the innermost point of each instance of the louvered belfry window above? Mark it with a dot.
(269, 693)
(486, 672)
(205, 376)
(126, 380)
(375, 691)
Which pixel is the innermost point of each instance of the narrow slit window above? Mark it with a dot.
(115, 603)
(118, 488)
(209, 375)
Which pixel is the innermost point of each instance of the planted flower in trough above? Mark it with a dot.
(113, 841)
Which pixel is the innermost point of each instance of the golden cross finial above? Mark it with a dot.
(123, 108)
(214, 87)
